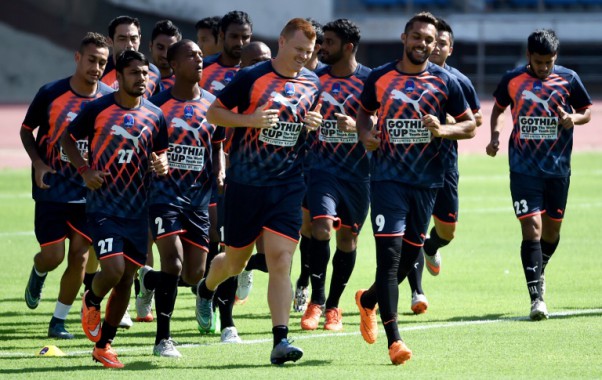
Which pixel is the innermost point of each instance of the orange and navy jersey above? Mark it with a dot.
(340, 153)
(168, 82)
(53, 108)
(538, 145)
(263, 157)
(190, 145)
(120, 142)
(408, 153)
(153, 85)
(215, 75)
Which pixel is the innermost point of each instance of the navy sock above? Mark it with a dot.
(530, 253)
(257, 262)
(88, 277)
(224, 300)
(165, 299)
(92, 299)
(320, 255)
(203, 291)
(304, 249)
(434, 242)
(342, 267)
(415, 274)
(107, 334)
(280, 332)
(152, 279)
(547, 250)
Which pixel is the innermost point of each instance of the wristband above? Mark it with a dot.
(82, 169)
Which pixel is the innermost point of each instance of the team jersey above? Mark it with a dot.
(451, 146)
(215, 75)
(153, 85)
(311, 139)
(53, 108)
(189, 154)
(120, 143)
(408, 153)
(340, 153)
(538, 145)
(168, 82)
(263, 157)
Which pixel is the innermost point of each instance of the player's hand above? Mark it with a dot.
(159, 163)
(345, 123)
(432, 123)
(492, 148)
(94, 178)
(264, 117)
(313, 119)
(370, 140)
(565, 119)
(40, 170)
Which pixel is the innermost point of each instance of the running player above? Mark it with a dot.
(207, 34)
(179, 202)
(126, 137)
(445, 211)
(57, 189)
(412, 97)
(264, 180)
(165, 34)
(547, 101)
(338, 192)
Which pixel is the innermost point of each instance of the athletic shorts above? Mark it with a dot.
(214, 192)
(53, 221)
(398, 209)
(191, 224)
(306, 180)
(114, 236)
(446, 203)
(249, 210)
(533, 195)
(345, 202)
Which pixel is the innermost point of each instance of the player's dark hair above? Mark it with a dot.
(319, 30)
(127, 56)
(346, 30)
(167, 28)
(211, 23)
(173, 50)
(543, 41)
(235, 17)
(93, 38)
(426, 17)
(443, 26)
(298, 24)
(127, 20)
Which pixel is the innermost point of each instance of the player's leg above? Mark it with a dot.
(302, 284)
(419, 303)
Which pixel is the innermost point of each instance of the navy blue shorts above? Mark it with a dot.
(248, 210)
(345, 202)
(446, 203)
(401, 210)
(533, 195)
(53, 221)
(306, 177)
(191, 224)
(114, 236)
(214, 192)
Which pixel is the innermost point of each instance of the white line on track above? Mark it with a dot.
(24, 355)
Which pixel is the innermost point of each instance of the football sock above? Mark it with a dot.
(39, 274)
(165, 299)
(415, 274)
(107, 334)
(92, 299)
(530, 253)
(88, 277)
(391, 329)
(152, 279)
(369, 298)
(388, 253)
(203, 292)
(409, 255)
(318, 263)
(547, 250)
(342, 267)
(257, 262)
(304, 248)
(280, 332)
(224, 300)
(434, 242)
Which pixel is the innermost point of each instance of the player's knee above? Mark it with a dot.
(321, 230)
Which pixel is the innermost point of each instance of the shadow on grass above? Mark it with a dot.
(301, 363)
(133, 366)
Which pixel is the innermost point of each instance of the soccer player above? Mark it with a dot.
(264, 181)
(338, 192)
(179, 202)
(412, 97)
(445, 211)
(127, 137)
(165, 34)
(124, 34)
(207, 34)
(58, 191)
(547, 101)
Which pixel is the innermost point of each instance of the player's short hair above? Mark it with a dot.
(167, 28)
(235, 17)
(426, 17)
(298, 24)
(346, 30)
(119, 20)
(543, 41)
(173, 50)
(93, 38)
(211, 23)
(443, 26)
(127, 56)
(319, 30)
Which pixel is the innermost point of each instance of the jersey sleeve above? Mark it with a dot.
(37, 111)
(83, 125)
(219, 135)
(579, 98)
(470, 94)
(368, 99)
(456, 105)
(236, 93)
(501, 94)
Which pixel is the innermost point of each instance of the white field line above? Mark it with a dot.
(431, 326)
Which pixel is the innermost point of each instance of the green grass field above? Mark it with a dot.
(476, 325)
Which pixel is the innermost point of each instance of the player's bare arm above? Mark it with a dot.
(263, 117)
(463, 128)
(39, 167)
(218, 161)
(497, 124)
(365, 129)
(569, 120)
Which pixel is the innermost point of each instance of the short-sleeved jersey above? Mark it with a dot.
(215, 75)
(120, 143)
(451, 146)
(339, 153)
(538, 146)
(189, 154)
(53, 108)
(168, 82)
(153, 85)
(408, 153)
(263, 157)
